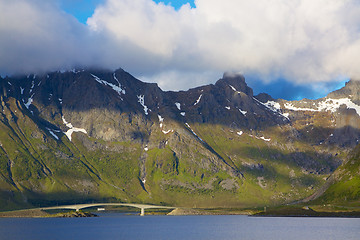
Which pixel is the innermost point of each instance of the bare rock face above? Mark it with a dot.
(264, 97)
(350, 90)
(235, 81)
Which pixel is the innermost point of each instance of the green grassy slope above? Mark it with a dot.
(344, 184)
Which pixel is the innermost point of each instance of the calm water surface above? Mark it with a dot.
(119, 226)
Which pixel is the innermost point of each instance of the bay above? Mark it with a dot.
(120, 226)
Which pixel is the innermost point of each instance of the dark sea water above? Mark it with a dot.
(120, 226)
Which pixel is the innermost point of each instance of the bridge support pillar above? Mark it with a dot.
(142, 213)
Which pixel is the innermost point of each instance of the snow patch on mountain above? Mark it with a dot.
(122, 90)
(265, 139)
(329, 104)
(194, 132)
(117, 89)
(168, 131)
(290, 106)
(53, 134)
(234, 89)
(29, 101)
(141, 100)
(243, 112)
(274, 106)
(260, 138)
(178, 105)
(198, 100)
(72, 129)
(161, 120)
(32, 86)
(334, 104)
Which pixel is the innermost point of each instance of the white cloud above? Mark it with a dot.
(36, 36)
(148, 25)
(301, 40)
(172, 79)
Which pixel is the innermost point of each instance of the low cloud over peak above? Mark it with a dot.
(301, 41)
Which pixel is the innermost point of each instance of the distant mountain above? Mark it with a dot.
(337, 114)
(96, 135)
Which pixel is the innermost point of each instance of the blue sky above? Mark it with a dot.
(83, 9)
(283, 89)
(289, 49)
(176, 3)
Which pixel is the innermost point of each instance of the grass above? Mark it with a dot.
(345, 187)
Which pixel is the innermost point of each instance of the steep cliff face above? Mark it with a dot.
(100, 135)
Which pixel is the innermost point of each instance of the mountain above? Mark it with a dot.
(334, 119)
(97, 135)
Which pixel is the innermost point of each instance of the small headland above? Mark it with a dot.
(310, 211)
(38, 213)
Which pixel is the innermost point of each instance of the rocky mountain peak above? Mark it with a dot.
(236, 82)
(350, 90)
(264, 97)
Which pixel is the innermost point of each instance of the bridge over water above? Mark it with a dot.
(77, 207)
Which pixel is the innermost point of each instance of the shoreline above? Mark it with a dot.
(39, 213)
(309, 216)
